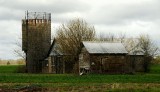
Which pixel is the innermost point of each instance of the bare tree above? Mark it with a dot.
(109, 37)
(122, 37)
(147, 45)
(131, 44)
(149, 48)
(18, 50)
(69, 37)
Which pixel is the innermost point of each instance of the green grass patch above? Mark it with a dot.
(7, 75)
(139, 82)
(9, 68)
(155, 69)
(64, 78)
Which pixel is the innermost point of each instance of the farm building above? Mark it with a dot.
(56, 61)
(137, 58)
(53, 60)
(103, 57)
(139, 61)
(95, 57)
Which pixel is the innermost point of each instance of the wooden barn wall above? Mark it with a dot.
(57, 65)
(138, 63)
(45, 67)
(54, 64)
(110, 64)
(84, 59)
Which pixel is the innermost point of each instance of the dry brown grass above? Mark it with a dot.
(12, 62)
(90, 87)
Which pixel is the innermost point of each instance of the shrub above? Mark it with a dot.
(21, 69)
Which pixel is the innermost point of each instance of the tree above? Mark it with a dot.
(109, 37)
(147, 45)
(69, 37)
(149, 48)
(122, 37)
(18, 50)
(131, 44)
(8, 63)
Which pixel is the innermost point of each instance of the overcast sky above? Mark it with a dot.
(132, 17)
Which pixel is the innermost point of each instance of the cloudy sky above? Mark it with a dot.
(132, 17)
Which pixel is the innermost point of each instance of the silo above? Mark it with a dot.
(36, 39)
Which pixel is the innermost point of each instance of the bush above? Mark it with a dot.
(8, 63)
(21, 69)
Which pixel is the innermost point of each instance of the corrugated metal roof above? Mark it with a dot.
(104, 47)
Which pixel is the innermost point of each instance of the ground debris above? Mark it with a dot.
(28, 88)
(21, 88)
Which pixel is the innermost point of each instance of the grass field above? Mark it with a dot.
(93, 82)
(9, 68)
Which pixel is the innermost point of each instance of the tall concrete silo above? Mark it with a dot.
(36, 39)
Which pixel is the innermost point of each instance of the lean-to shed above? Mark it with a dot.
(57, 61)
(138, 59)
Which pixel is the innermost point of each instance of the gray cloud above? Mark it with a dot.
(122, 13)
(14, 9)
(56, 6)
(115, 16)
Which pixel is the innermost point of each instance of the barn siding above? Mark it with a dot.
(105, 63)
(138, 62)
(84, 59)
(110, 63)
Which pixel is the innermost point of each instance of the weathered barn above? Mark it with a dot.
(137, 58)
(56, 61)
(53, 62)
(103, 57)
(95, 57)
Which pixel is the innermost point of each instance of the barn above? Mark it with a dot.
(137, 58)
(57, 62)
(96, 57)
(104, 57)
(140, 61)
